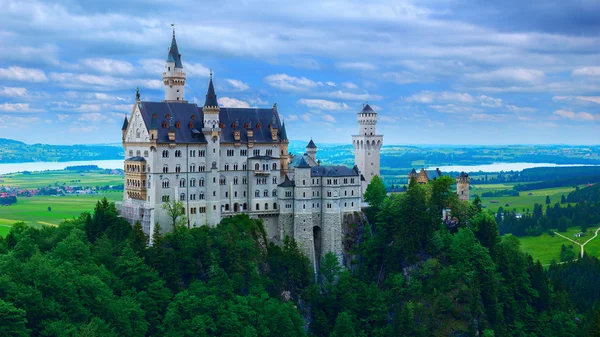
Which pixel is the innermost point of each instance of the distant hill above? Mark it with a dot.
(12, 151)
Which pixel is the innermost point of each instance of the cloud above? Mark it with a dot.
(404, 77)
(349, 96)
(481, 117)
(93, 117)
(360, 66)
(323, 104)
(349, 85)
(387, 119)
(292, 118)
(102, 82)
(490, 101)
(518, 109)
(306, 117)
(578, 99)
(108, 66)
(229, 102)
(195, 70)
(18, 107)
(238, 85)
(576, 116)
(290, 83)
(508, 75)
(587, 71)
(427, 97)
(7, 121)
(424, 97)
(23, 74)
(328, 118)
(13, 92)
(453, 108)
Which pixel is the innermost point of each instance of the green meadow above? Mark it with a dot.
(34, 210)
(523, 201)
(60, 178)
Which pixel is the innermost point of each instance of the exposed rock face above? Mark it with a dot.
(353, 228)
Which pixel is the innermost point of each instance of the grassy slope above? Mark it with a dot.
(522, 201)
(59, 178)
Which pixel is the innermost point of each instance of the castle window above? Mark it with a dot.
(230, 153)
(137, 133)
(243, 153)
(257, 207)
(256, 152)
(165, 184)
(182, 182)
(288, 194)
(214, 193)
(256, 167)
(182, 197)
(178, 168)
(352, 192)
(201, 182)
(202, 209)
(244, 180)
(235, 180)
(274, 166)
(266, 193)
(352, 204)
(165, 169)
(214, 165)
(222, 181)
(345, 193)
(164, 125)
(329, 193)
(193, 168)
(352, 180)
(244, 167)
(201, 196)
(146, 153)
(274, 193)
(274, 205)
(202, 153)
(130, 153)
(266, 206)
(269, 152)
(235, 194)
(202, 168)
(274, 180)
(257, 193)
(177, 153)
(165, 154)
(226, 194)
(235, 167)
(226, 167)
(303, 206)
(304, 194)
(192, 182)
(165, 198)
(303, 182)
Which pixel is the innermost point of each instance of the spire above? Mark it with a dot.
(174, 55)
(283, 134)
(125, 124)
(367, 109)
(311, 145)
(211, 97)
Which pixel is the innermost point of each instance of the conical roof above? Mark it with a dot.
(125, 124)
(367, 109)
(311, 145)
(211, 96)
(303, 163)
(174, 55)
(283, 133)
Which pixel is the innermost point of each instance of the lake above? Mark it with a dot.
(43, 166)
(497, 167)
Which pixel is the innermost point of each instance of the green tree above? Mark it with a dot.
(343, 326)
(563, 200)
(375, 194)
(12, 321)
(176, 212)
(329, 269)
(486, 230)
(548, 200)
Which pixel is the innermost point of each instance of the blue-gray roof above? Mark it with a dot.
(311, 145)
(136, 158)
(190, 118)
(174, 55)
(333, 171)
(211, 96)
(283, 133)
(367, 109)
(287, 182)
(125, 124)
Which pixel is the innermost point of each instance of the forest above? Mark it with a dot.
(411, 275)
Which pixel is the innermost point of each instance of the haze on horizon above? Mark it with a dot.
(437, 72)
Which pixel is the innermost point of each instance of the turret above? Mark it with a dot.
(462, 186)
(124, 127)
(367, 145)
(211, 107)
(311, 150)
(285, 158)
(174, 75)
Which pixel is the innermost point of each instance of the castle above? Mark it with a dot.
(220, 161)
(462, 181)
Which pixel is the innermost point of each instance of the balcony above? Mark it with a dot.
(261, 172)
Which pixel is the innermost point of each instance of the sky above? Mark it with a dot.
(437, 72)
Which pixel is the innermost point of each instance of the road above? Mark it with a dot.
(582, 245)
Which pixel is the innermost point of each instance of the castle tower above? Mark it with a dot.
(285, 155)
(174, 76)
(124, 128)
(311, 150)
(212, 132)
(462, 186)
(367, 145)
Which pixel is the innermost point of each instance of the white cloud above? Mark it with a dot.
(427, 97)
(349, 85)
(18, 107)
(102, 82)
(481, 117)
(349, 96)
(576, 116)
(83, 129)
(229, 102)
(195, 70)
(19, 122)
(290, 83)
(578, 99)
(306, 117)
(93, 117)
(13, 92)
(509, 75)
(323, 104)
(453, 108)
(587, 71)
(424, 97)
(292, 118)
(62, 117)
(23, 74)
(238, 85)
(490, 101)
(515, 108)
(328, 118)
(387, 119)
(360, 66)
(108, 66)
(403, 77)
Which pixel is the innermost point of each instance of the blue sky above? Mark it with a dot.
(437, 72)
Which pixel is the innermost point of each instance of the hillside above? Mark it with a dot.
(12, 151)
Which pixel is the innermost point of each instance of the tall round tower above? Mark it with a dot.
(174, 75)
(367, 145)
(462, 186)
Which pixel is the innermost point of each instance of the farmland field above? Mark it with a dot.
(60, 178)
(546, 247)
(523, 201)
(34, 210)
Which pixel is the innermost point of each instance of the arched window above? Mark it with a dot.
(274, 166)
(165, 169)
(214, 165)
(193, 182)
(222, 180)
(274, 180)
(257, 207)
(274, 205)
(274, 193)
(182, 182)
(256, 167)
(202, 168)
(227, 207)
(201, 182)
(257, 193)
(266, 206)
(178, 168)
(182, 197)
(266, 193)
